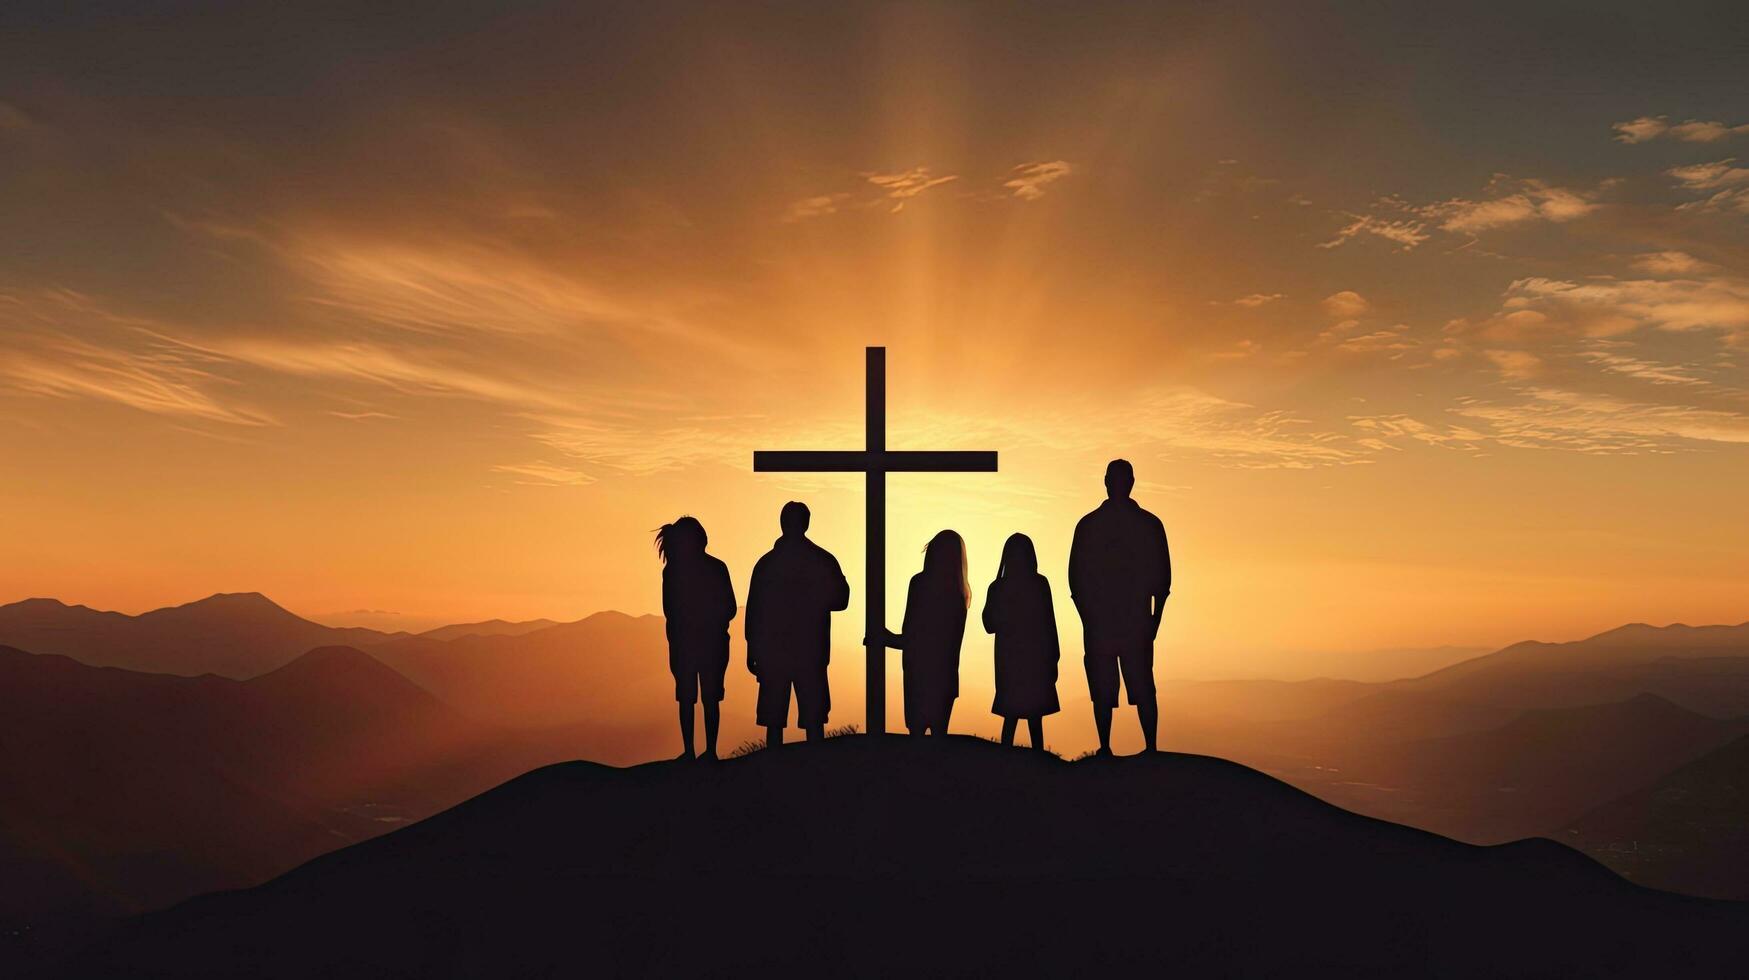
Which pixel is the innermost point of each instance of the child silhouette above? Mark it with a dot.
(1018, 611)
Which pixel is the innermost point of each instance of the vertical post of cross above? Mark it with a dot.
(874, 461)
(875, 569)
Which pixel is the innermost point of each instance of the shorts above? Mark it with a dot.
(813, 697)
(693, 680)
(1131, 655)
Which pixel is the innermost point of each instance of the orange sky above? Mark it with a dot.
(441, 320)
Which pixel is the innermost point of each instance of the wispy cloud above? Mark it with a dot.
(1633, 367)
(1403, 232)
(888, 190)
(545, 474)
(643, 445)
(1736, 200)
(1551, 418)
(1672, 264)
(1647, 128)
(361, 416)
(64, 344)
(1729, 185)
(1252, 301)
(901, 187)
(1532, 200)
(1392, 340)
(1509, 201)
(403, 370)
(817, 206)
(1029, 180)
(1710, 176)
(1605, 307)
(1388, 431)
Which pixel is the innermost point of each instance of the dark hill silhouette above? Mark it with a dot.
(901, 857)
(490, 627)
(122, 790)
(238, 635)
(1688, 831)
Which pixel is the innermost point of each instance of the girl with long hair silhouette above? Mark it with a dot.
(935, 624)
(698, 603)
(1018, 611)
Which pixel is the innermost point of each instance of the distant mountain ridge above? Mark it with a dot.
(235, 634)
(490, 627)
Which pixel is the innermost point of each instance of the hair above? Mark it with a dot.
(944, 561)
(794, 517)
(684, 537)
(1120, 474)
(1018, 557)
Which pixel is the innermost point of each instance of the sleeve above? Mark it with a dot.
(840, 589)
(992, 615)
(1165, 564)
(728, 588)
(1050, 626)
(1078, 563)
(668, 604)
(908, 623)
(755, 609)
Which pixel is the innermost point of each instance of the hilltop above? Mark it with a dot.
(892, 856)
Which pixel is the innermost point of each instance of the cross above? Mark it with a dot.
(875, 461)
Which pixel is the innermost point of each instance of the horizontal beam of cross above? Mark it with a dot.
(858, 461)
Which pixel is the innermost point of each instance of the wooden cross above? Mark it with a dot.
(875, 461)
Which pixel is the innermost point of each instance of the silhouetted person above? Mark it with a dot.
(698, 603)
(1018, 610)
(935, 625)
(796, 588)
(1120, 573)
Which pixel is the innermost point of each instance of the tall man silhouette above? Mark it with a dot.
(1120, 573)
(796, 588)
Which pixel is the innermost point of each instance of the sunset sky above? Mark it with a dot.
(1419, 328)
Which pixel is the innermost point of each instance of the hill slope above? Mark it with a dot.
(1538, 771)
(122, 791)
(897, 857)
(1687, 831)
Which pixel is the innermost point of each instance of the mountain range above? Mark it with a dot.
(122, 790)
(127, 789)
(238, 635)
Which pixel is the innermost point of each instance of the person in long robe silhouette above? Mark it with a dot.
(796, 587)
(934, 627)
(1019, 612)
(1120, 573)
(698, 603)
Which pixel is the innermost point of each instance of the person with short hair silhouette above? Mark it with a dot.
(796, 587)
(1120, 573)
(934, 627)
(698, 603)
(1019, 612)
